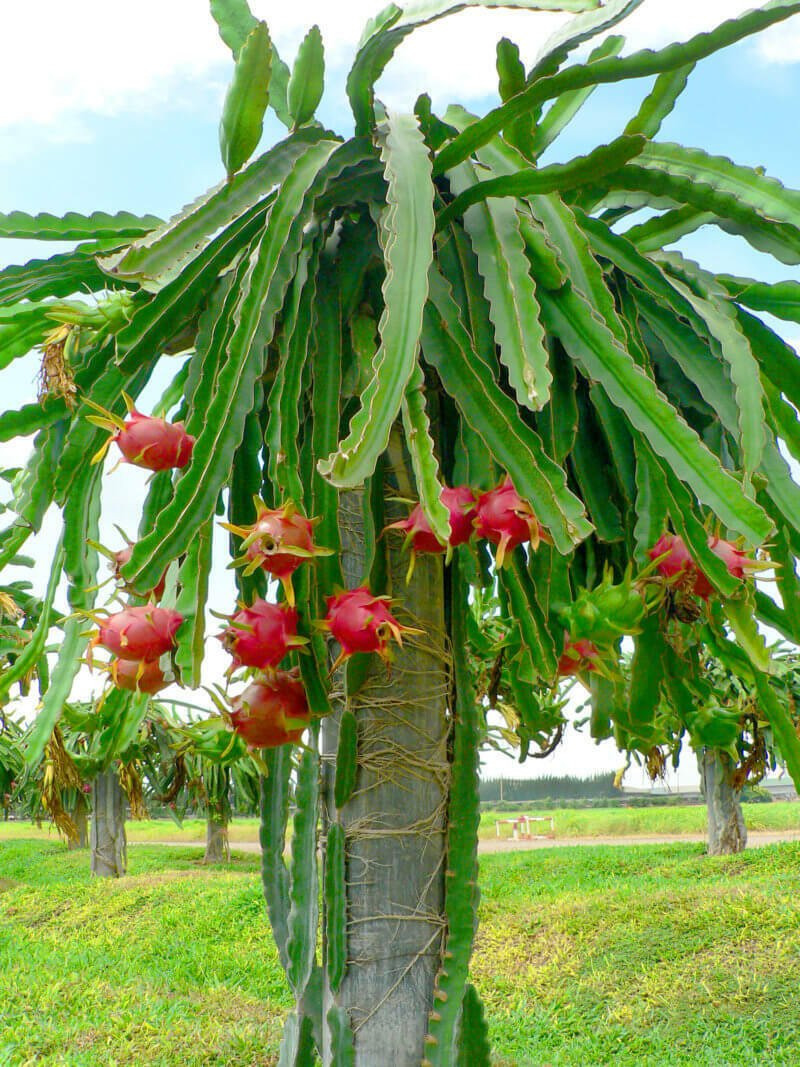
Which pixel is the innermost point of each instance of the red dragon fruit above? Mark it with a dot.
(506, 520)
(272, 711)
(279, 541)
(155, 444)
(119, 560)
(139, 676)
(460, 503)
(361, 622)
(578, 656)
(140, 633)
(144, 440)
(677, 565)
(261, 635)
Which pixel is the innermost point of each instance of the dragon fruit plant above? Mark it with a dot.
(349, 321)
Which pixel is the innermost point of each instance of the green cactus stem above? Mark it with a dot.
(274, 819)
(342, 1049)
(346, 759)
(297, 1044)
(473, 1034)
(335, 906)
(461, 889)
(303, 896)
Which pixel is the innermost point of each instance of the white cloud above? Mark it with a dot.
(99, 58)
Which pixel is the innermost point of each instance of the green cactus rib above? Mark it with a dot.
(788, 585)
(193, 579)
(407, 240)
(565, 108)
(461, 888)
(274, 809)
(260, 299)
(528, 615)
(297, 1043)
(75, 227)
(245, 473)
(495, 234)
(61, 275)
(471, 382)
(425, 465)
(33, 487)
(729, 341)
(346, 759)
(335, 906)
(558, 177)
(314, 659)
(26, 660)
(242, 121)
(304, 905)
(342, 1047)
(639, 65)
(325, 392)
(185, 237)
(283, 418)
(473, 1032)
(71, 650)
(234, 21)
(126, 713)
(386, 31)
(214, 330)
(307, 80)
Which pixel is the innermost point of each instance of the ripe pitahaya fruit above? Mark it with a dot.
(272, 711)
(506, 520)
(155, 444)
(119, 560)
(261, 635)
(362, 622)
(140, 633)
(678, 567)
(460, 503)
(139, 676)
(144, 440)
(578, 656)
(279, 541)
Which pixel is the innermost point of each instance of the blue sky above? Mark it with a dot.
(118, 107)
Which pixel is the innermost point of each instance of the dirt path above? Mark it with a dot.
(755, 839)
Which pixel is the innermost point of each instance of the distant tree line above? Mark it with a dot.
(551, 787)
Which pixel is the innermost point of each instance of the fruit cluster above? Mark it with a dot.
(599, 617)
(499, 516)
(273, 709)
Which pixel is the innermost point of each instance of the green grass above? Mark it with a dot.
(597, 822)
(624, 822)
(642, 956)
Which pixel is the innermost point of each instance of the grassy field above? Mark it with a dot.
(643, 956)
(600, 822)
(626, 822)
